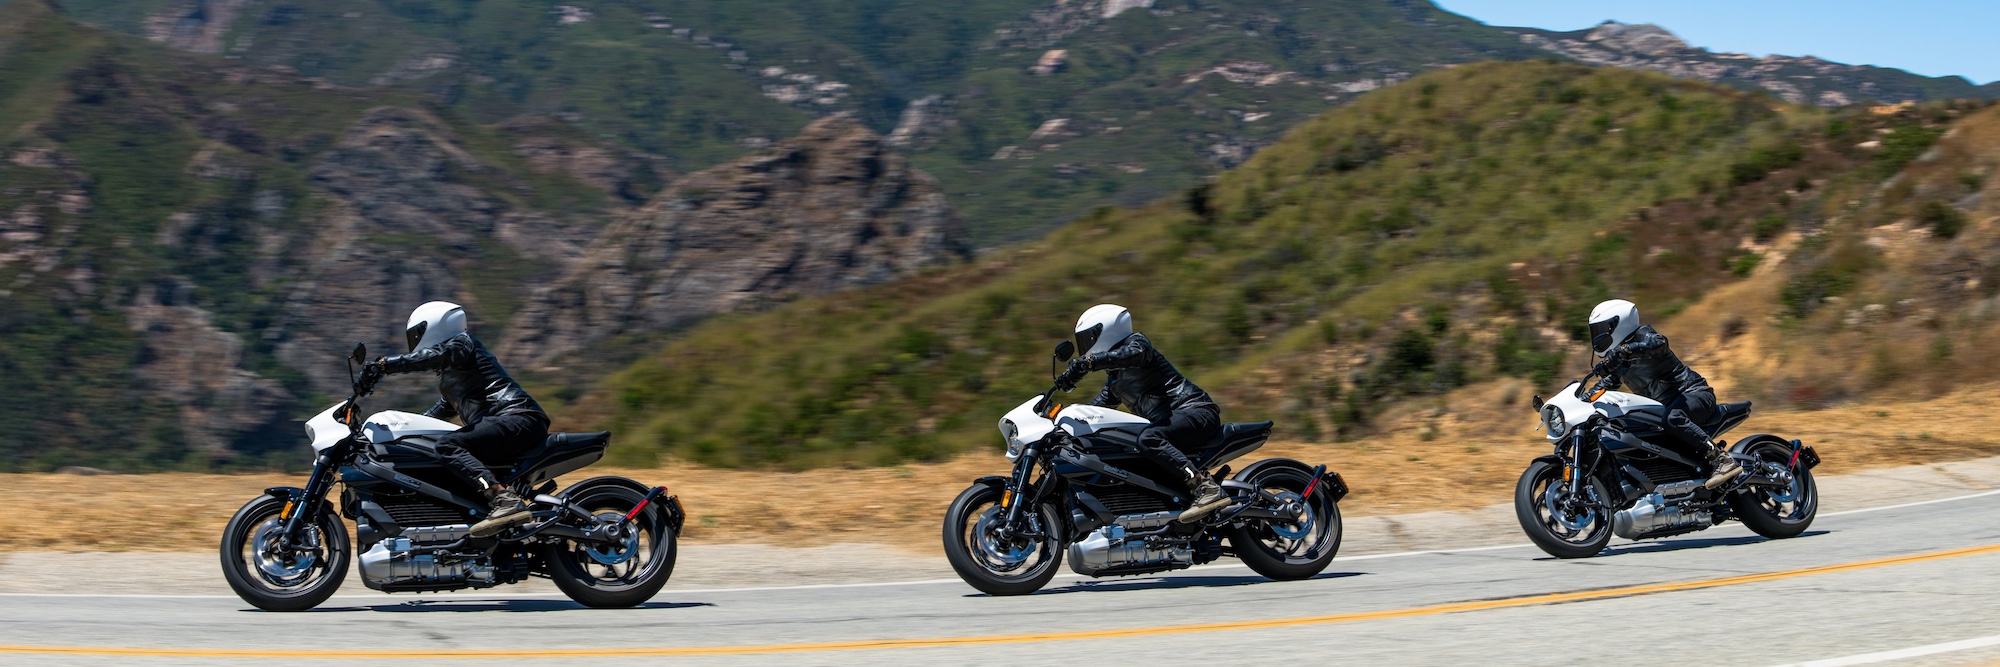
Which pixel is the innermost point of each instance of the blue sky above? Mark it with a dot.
(1929, 37)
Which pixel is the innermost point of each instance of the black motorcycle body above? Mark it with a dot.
(606, 541)
(1617, 469)
(1082, 488)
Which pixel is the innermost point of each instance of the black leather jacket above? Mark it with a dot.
(472, 382)
(1142, 378)
(1654, 371)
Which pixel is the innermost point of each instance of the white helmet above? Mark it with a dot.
(434, 323)
(1611, 323)
(1102, 327)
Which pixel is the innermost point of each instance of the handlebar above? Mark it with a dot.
(1605, 374)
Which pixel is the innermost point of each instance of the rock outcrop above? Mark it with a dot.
(1799, 80)
(830, 209)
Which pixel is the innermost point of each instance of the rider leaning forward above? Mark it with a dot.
(501, 420)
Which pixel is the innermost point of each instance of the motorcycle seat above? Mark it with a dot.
(561, 442)
(1727, 416)
(1235, 439)
(560, 454)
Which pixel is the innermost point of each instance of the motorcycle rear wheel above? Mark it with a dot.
(275, 580)
(1562, 532)
(1777, 513)
(615, 576)
(1300, 550)
(994, 565)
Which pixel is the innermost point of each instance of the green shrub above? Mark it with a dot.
(1943, 220)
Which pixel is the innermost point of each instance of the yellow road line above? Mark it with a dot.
(1006, 639)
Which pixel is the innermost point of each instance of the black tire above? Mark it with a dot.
(1575, 533)
(621, 578)
(283, 582)
(978, 561)
(1300, 550)
(1773, 513)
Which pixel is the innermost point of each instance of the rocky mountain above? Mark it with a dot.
(1028, 112)
(1795, 79)
(830, 209)
(189, 244)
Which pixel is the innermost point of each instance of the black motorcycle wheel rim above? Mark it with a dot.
(1008, 559)
(1307, 539)
(1571, 518)
(1790, 504)
(626, 562)
(278, 569)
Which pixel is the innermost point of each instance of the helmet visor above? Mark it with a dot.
(1087, 338)
(1600, 335)
(416, 333)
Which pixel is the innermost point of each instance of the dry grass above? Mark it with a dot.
(1461, 451)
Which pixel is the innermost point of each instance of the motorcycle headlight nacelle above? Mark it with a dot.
(1012, 435)
(1552, 417)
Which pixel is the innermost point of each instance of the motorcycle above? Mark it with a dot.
(606, 541)
(1617, 469)
(1081, 485)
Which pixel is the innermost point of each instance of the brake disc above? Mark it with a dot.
(1303, 526)
(627, 540)
(283, 569)
(1003, 555)
(1553, 497)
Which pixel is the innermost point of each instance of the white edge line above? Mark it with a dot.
(1902, 653)
(878, 584)
(1921, 502)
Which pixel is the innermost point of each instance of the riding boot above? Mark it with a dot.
(1722, 467)
(505, 509)
(1208, 495)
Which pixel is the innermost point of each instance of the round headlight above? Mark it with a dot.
(1012, 435)
(1552, 417)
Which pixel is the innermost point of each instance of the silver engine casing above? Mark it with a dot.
(1095, 553)
(406, 559)
(1652, 514)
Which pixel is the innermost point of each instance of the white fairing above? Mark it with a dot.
(324, 430)
(1022, 425)
(1612, 404)
(1081, 420)
(389, 425)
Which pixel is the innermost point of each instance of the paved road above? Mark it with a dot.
(1861, 582)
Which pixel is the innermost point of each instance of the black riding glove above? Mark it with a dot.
(371, 373)
(1078, 367)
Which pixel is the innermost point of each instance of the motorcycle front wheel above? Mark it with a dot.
(276, 577)
(619, 574)
(1563, 524)
(999, 564)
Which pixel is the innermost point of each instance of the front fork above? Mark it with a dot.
(302, 509)
(1023, 467)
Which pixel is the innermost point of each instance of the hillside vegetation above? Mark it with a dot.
(186, 244)
(1448, 229)
(1147, 101)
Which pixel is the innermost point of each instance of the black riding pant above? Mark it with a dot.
(499, 440)
(1165, 442)
(1688, 411)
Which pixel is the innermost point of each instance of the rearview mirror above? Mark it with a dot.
(1064, 350)
(360, 355)
(1538, 401)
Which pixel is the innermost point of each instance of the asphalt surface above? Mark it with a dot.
(1869, 583)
